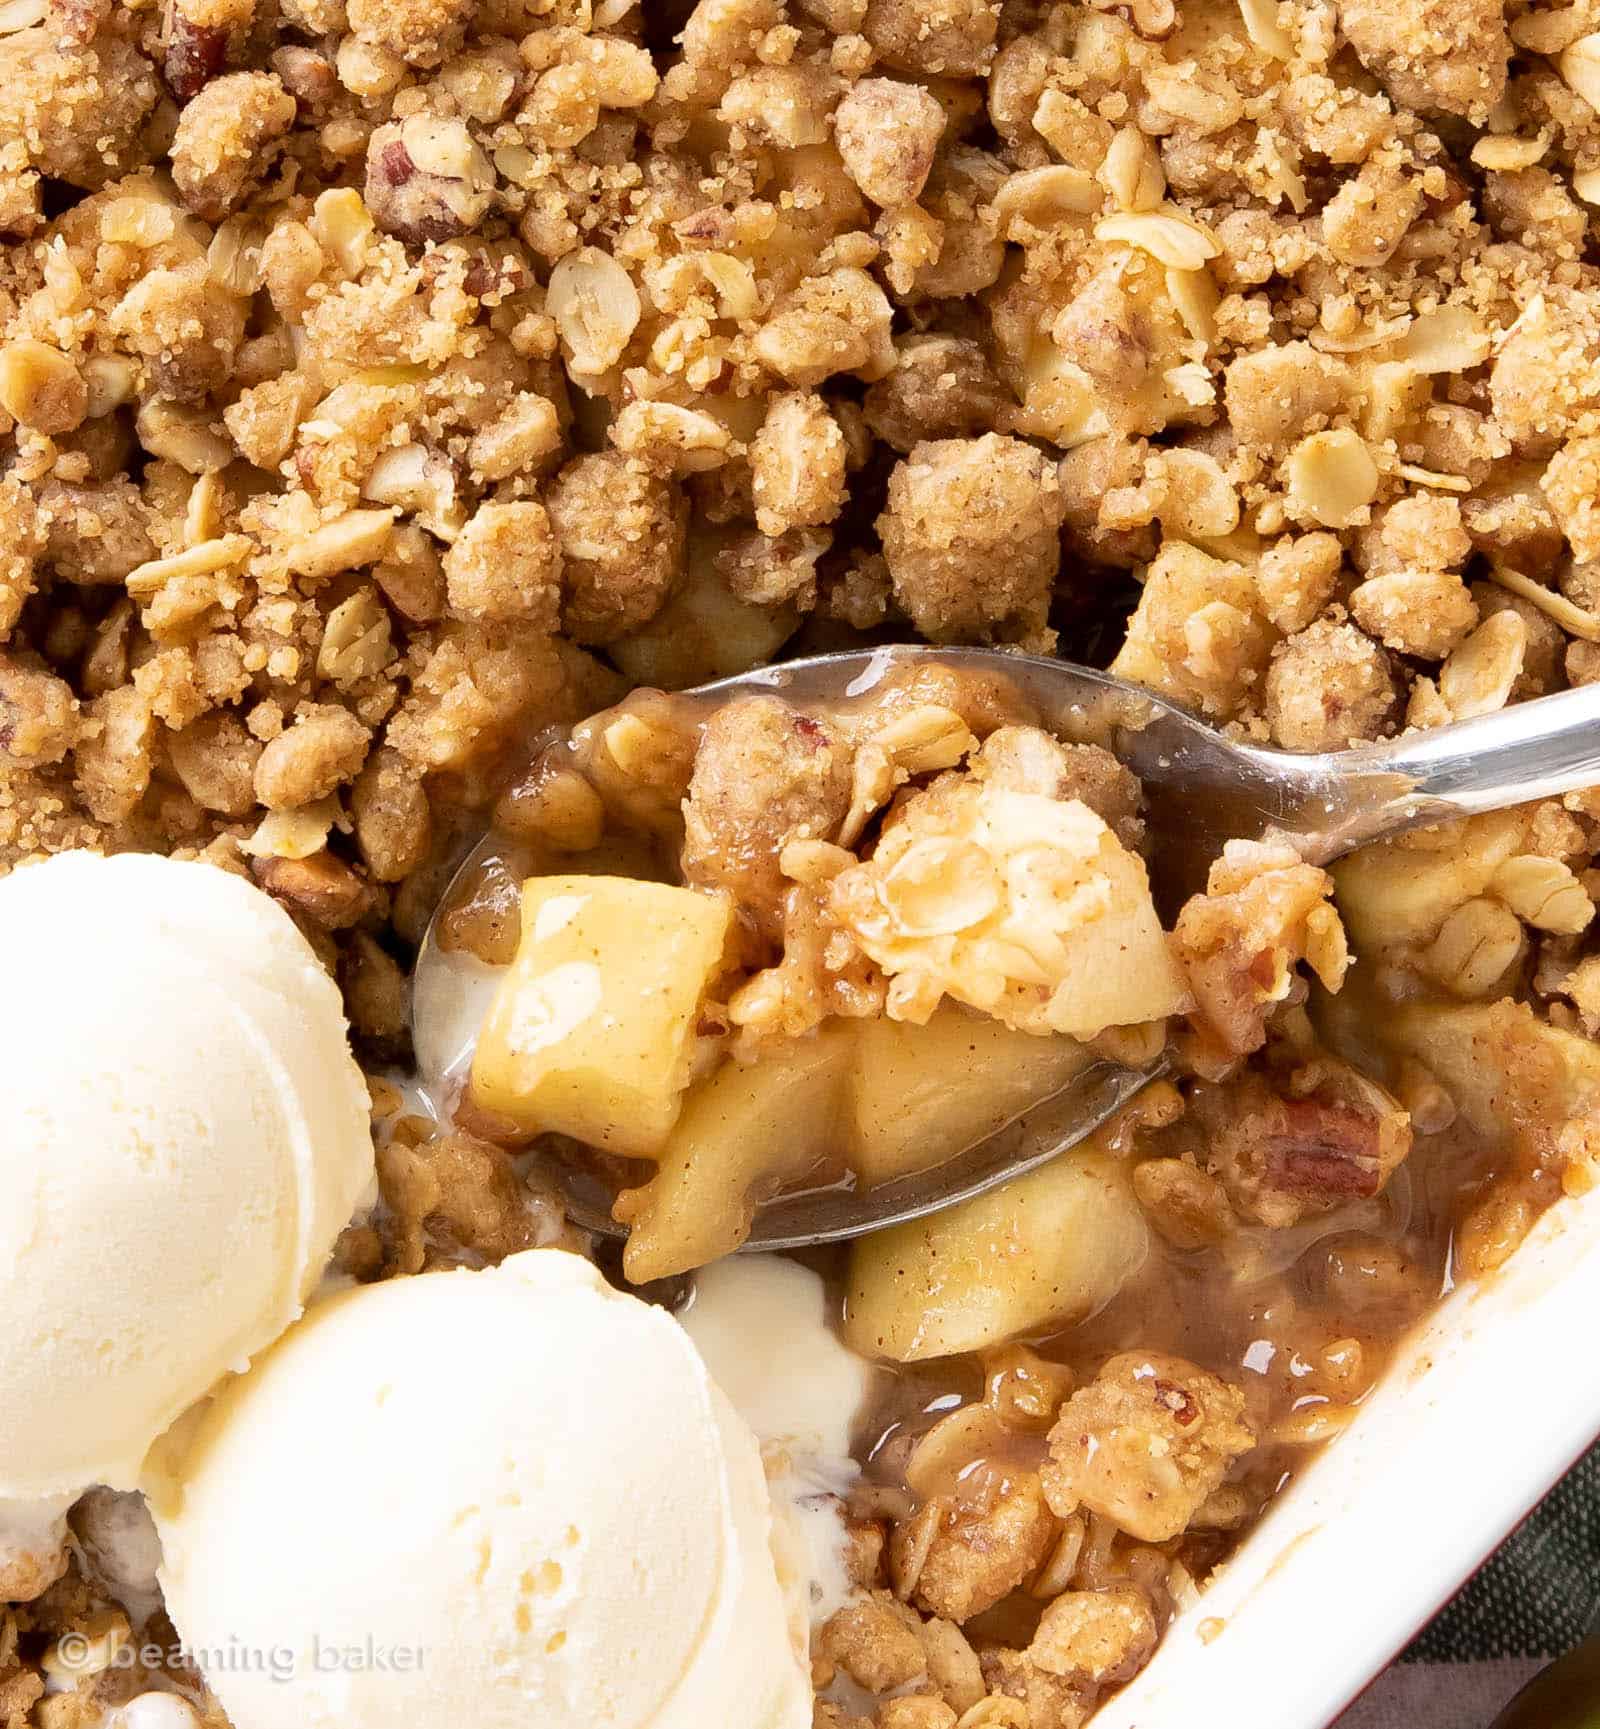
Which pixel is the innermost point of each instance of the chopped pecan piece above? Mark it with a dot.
(1282, 1158)
(322, 888)
(427, 180)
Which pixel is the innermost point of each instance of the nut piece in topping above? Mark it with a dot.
(41, 388)
(427, 179)
(1282, 1159)
(887, 134)
(1263, 912)
(324, 748)
(596, 308)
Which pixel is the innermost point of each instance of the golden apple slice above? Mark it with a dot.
(919, 1095)
(1506, 1069)
(744, 1134)
(1401, 892)
(591, 1033)
(1046, 1250)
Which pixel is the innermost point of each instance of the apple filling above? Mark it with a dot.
(800, 946)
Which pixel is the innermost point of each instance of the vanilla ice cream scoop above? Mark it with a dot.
(760, 1323)
(510, 1498)
(185, 1135)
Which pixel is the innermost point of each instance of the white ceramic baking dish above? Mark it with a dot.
(1491, 1402)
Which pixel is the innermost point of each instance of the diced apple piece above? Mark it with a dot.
(704, 632)
(1046, 1250)
(920, 1095)
(744, 1133)
(1119, 969)
(1505, 1068)
(591, 1032)
(1398, 893)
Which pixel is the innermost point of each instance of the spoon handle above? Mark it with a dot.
(1529, 751)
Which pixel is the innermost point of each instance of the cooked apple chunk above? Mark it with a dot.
(591, 1034)
(744, 1134)
(1023, 906)
(1404, 890)
(1045, 1250)
(919, 1095)
(1508, 1071)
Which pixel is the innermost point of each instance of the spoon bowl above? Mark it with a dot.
(1201, 790)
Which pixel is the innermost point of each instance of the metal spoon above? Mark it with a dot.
(1201, 790)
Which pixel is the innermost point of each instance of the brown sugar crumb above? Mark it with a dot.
(1096, 1636)
(798, 465)
(20, 1690)
(455, 1198)
(976, 1558)
(420, 32)
(971, 538)
(506, 565)
(1329, 687)
(621, 536)
(39, 716)
(1440, 56)
(877, 1641)
(1042, 1697)
(764, 775)
(382, 283)
(222, 141)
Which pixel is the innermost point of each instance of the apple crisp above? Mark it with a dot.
(390, 387)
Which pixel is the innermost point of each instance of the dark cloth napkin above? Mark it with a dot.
(1532, 1600)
